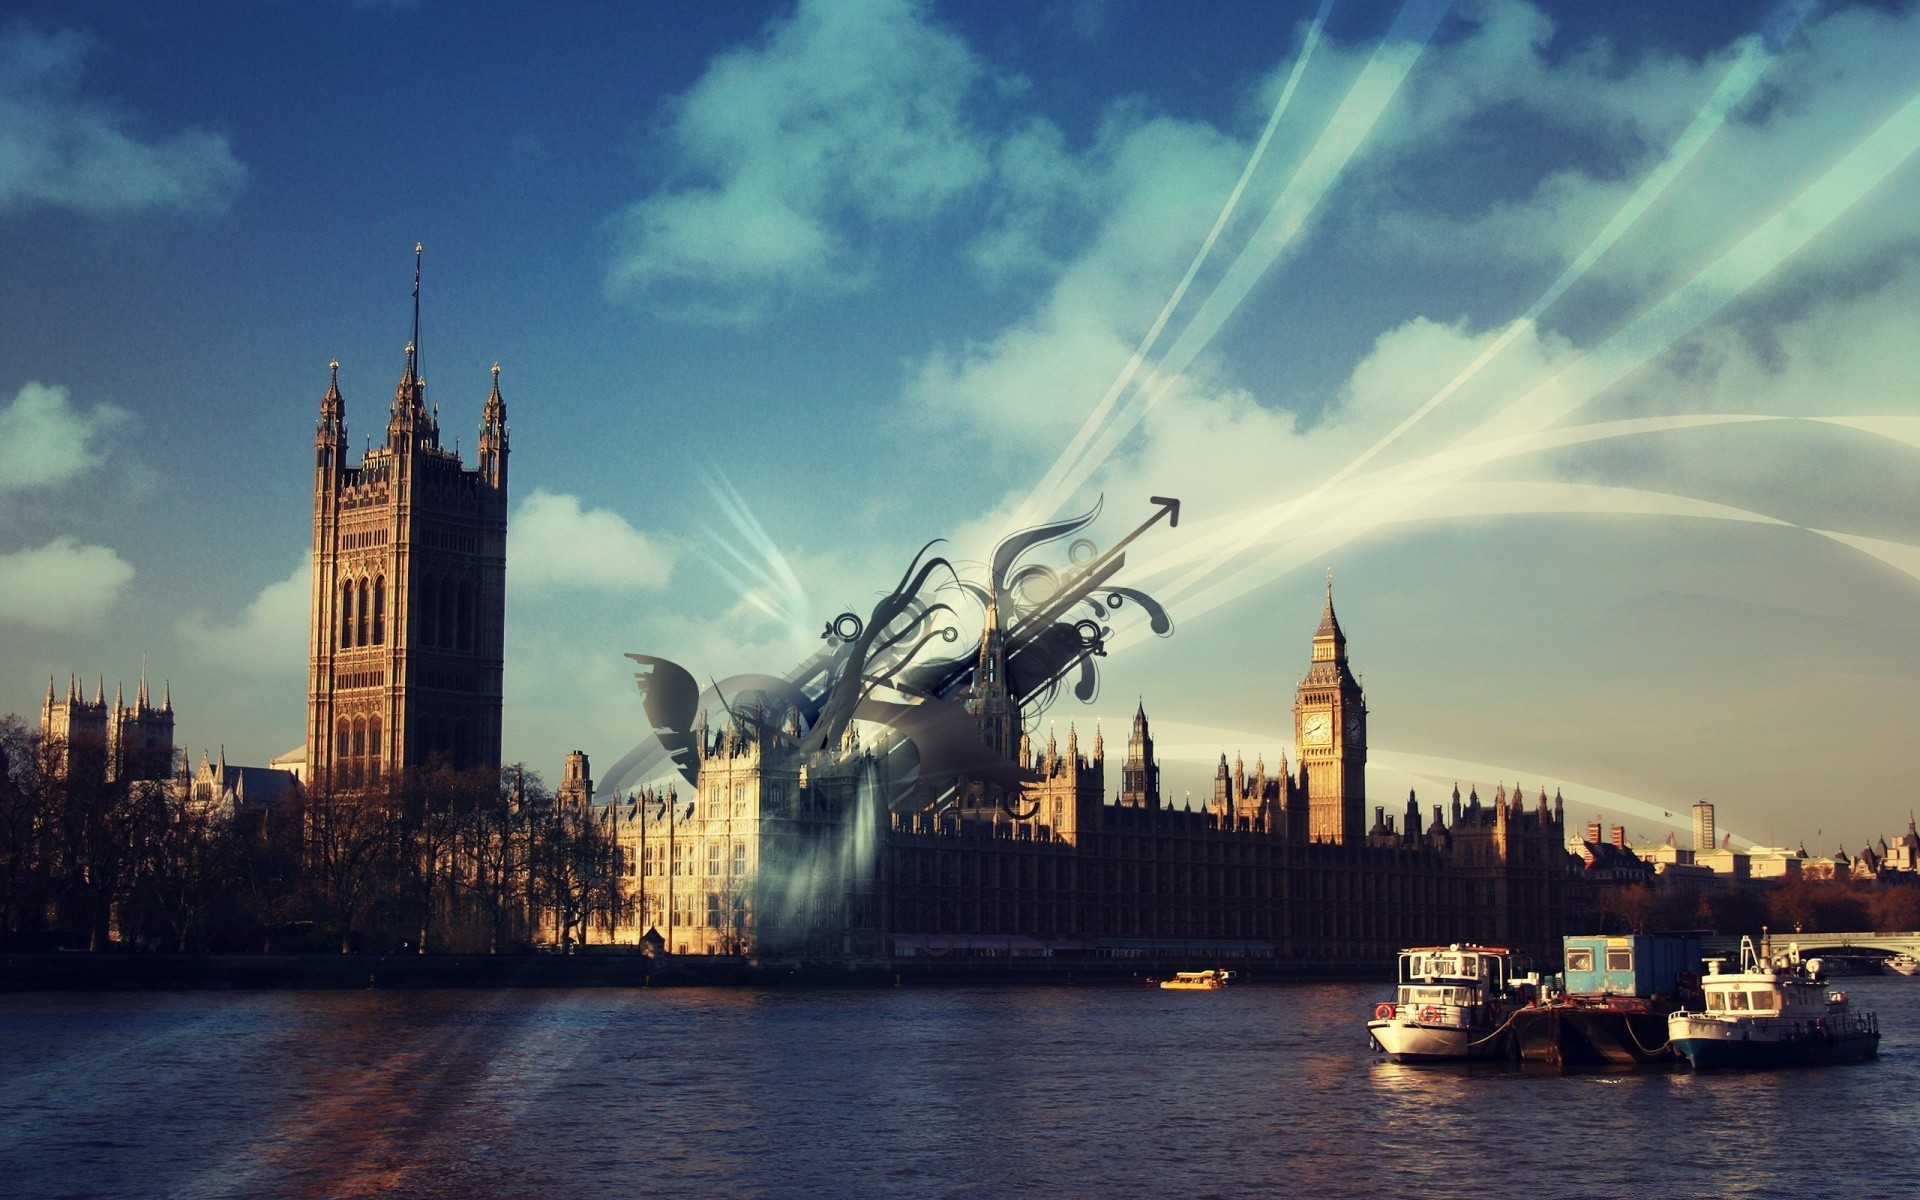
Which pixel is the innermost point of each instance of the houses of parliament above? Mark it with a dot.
(772, 858)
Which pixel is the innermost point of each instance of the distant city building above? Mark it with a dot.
(125, 742)
(407, 634)
(1703, 827)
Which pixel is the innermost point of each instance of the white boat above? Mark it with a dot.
(1452, 1005)
(1904, 964)
(1772, 1013)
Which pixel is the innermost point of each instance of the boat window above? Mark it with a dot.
(1737, 1001)
(1620, 960)
(1716, 1002)
(1470, 967)
(1580, 959)
(1763, 1000)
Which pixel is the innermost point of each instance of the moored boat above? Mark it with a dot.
(1613, 1008)
(1903, 964)
(1772, 1014)
(1196, 981)
(1452, 1004)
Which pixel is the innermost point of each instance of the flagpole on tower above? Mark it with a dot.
(418, 247)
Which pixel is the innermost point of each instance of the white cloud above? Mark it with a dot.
(61, 149)
(270, 636)
(61, 586)
(846, 110)
(45, 440)
(554, 544)
(1152, 188)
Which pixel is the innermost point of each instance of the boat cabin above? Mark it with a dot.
(1453, 976)
(1641, 965)
(1761, 991)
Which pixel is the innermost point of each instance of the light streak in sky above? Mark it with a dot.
(1757, 52)
(1349, 126)
(1203, 745)
(779, 593)
(1030, 511)
(1653, 332)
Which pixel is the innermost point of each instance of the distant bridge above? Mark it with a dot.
(1891, 943)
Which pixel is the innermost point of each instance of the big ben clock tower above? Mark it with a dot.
(1330, 726)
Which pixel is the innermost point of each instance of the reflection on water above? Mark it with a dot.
(960, 1092)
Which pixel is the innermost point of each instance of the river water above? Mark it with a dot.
(967, 1092)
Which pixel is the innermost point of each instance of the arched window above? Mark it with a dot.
(359, 739)
(446, 613)
(362, 624)
(430, 612)
(466, 615)
(380, 610)
(373, 747)
(346, 615)
(343, 740)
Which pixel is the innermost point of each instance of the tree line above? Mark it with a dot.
(433, 860)
(1807, 904)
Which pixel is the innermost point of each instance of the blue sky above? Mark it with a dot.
(871, 268)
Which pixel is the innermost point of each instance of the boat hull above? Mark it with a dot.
(1735, 1048)
(1411, 1042)
(1569, 1037)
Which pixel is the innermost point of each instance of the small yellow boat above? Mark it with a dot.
(1196, 981)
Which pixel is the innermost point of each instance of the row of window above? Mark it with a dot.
(357, 748)
(357, 744)
(654, 859)
(692, 915)
(443, 613)
(363, 612)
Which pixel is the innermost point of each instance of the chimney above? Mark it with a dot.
(1620, 836)
(1593, 832)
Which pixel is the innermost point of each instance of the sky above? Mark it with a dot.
(1578, 340)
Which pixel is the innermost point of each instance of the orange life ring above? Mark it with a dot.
(1383, 1012)
(1429, 1014)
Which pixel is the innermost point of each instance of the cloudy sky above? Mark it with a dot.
(1580, 340)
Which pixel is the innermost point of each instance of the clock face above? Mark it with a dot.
(1316, 729)
(1353, 727)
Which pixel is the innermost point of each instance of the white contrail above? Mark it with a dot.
(1212, 541)
(1349, 126)
(1755, 56)
(1655, 330)
(1030, 511)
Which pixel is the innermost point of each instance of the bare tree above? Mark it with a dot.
(190, 868)
(23, 859)
(349, 853)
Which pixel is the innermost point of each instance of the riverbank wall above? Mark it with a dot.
(86, 972)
